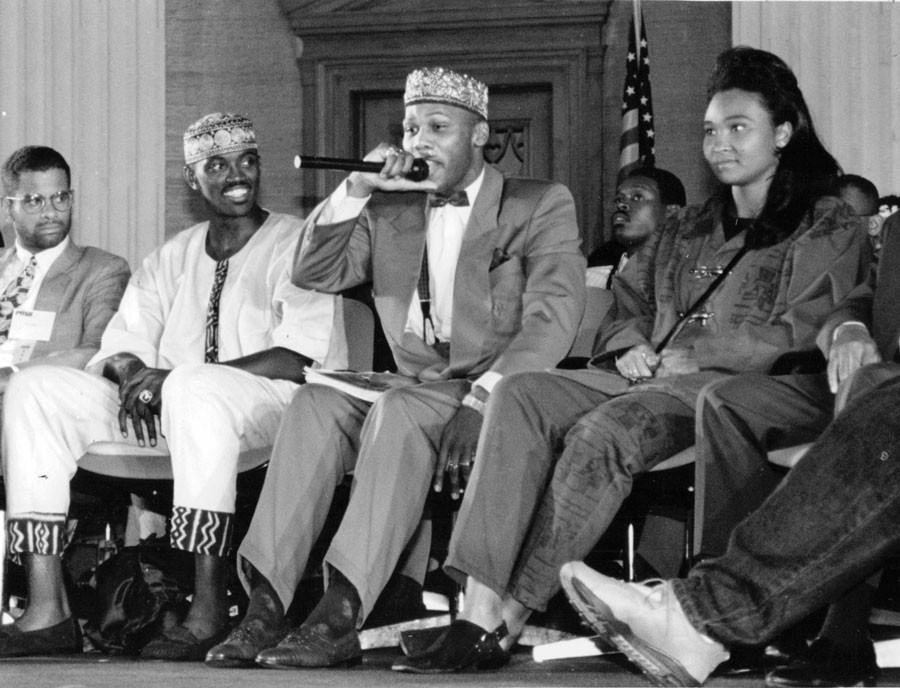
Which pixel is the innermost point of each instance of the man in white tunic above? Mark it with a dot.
(206, 350)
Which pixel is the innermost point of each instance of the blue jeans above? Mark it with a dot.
(833, 521)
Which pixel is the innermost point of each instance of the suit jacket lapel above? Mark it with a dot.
(57, 279)
(400, 253)
(472, 285)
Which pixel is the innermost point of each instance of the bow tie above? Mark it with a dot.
(439, 201)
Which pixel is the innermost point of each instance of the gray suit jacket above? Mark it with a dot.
(83, 287)
(519, 292)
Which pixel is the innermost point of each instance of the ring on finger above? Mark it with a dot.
(145, 396)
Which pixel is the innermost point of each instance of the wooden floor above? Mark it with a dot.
(99, 671)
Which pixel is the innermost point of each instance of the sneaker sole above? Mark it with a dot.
(659, 667)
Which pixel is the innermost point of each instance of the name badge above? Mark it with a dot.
(34, 325)
(15, 351)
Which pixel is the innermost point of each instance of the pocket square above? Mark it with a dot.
(498, 258)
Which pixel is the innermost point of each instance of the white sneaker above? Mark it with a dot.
(646, 623)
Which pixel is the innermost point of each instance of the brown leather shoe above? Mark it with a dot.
(244, 643)
(62, 638)
(311, 646)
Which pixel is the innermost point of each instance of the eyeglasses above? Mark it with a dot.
(35, 203)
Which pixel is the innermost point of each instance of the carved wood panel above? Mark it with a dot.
(542, 62)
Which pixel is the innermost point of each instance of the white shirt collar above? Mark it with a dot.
(44, 258)
(473, 188)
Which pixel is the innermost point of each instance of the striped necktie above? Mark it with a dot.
(212, 313)
(14, 296)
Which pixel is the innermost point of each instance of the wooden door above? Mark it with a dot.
(521, 141)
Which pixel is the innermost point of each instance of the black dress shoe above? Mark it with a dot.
(244, 643)
(178, 644)
(417, 641)
(312, 646)
(464, 646)
(825, 664)
(62, 638)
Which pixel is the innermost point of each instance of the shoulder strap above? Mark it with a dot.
(609, 355)
(701, 299)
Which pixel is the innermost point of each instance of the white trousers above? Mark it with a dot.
(210, 413)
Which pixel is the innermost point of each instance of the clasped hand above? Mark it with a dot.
(641, 362)
(140, 399)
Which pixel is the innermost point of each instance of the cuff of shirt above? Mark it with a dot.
(847, 324)
(341, 207)
(488, 380)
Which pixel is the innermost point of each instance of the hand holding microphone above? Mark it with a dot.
(387, 168)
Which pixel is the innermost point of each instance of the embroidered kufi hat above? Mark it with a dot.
(439, 85)
(216, 134)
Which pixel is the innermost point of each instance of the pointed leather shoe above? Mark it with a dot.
(417, 641)
(465, 645)
(646, 623)
(312, 646)
(62, 638)
(244, 643)
(825, 664)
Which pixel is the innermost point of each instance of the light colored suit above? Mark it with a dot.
(517, 303)
(83, 287)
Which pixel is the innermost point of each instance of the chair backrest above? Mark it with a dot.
(359, 326)
(598, 303)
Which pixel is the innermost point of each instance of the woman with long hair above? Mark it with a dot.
(719, 289)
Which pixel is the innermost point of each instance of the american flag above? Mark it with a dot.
(636, 146)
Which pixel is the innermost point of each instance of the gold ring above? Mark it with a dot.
(145, 396)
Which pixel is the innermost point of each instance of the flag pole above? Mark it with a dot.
(636, 7)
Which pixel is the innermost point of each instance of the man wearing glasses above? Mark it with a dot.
(55, 297)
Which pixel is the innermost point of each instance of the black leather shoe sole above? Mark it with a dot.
(62, 638)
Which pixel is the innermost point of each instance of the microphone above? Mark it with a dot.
(417, 173)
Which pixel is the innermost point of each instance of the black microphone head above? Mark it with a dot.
(419, 171)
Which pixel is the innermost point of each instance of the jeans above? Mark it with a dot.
(833, 521)
(556, 459)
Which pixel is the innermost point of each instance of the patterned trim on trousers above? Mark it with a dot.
(36, 534)
(201, 531)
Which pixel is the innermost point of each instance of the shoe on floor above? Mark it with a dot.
(312, 646)
(826, 663)
(464, 645)
(646, 623)
(244, 643)
(61, 638)
(417, 641)
(178, 644)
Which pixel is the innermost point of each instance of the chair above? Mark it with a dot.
(591, 646)
(785, 458)
(596, 307)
